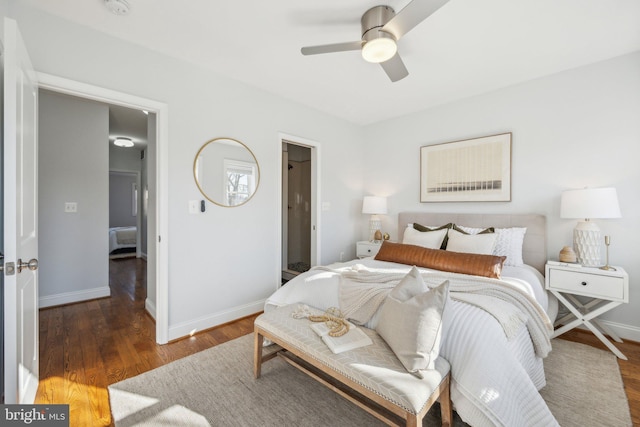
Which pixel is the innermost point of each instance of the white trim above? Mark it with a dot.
(75, 296)
(315, 199)
(200, 324)
(150, 307)
(96, 93)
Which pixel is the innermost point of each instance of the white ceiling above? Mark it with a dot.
(466, 48)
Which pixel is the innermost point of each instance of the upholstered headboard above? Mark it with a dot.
(534, 249)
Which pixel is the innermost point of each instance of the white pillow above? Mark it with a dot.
(428, 239)
(470, 230)
(509, 243)
(471, 243)
(411, 321)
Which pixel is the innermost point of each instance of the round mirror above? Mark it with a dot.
(226, 172)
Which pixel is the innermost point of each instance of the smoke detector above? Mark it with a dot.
(118, 7)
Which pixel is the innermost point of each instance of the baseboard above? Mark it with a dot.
(626, 332)
(142, 255)
(188, 328)
(71, 297)
(150, 306)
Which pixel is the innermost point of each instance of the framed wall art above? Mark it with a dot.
(471, 170)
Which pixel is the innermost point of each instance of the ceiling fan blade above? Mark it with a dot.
(329, 48)
(412, 14)
(395, 68)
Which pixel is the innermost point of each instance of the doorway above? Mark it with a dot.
(157, 188)
(299, 206)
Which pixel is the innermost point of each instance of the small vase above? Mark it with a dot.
(567, 254)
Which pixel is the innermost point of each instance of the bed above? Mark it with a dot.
(122, 240)
(496, 371)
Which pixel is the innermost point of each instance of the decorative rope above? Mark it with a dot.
(333, 318)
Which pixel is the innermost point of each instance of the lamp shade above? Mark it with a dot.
(590, 203)
(374, 205)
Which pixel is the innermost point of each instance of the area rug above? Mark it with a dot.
(216, 388)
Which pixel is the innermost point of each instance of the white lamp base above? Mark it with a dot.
(374, 225)
(586, 242)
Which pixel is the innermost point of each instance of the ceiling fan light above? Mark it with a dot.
(123, 142)
(379, 50)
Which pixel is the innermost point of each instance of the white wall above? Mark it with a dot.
(208, 253)
(73, 167)
(570, 130)
(124, 159)
(121, 185)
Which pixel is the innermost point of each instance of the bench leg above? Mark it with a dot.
(412, 421)
(258, 340)
(445, 403)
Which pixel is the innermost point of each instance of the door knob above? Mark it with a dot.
(31, 265)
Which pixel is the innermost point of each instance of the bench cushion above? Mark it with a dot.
(374, 367)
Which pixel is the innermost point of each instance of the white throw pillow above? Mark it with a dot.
(470, 230)
(411, 321)
(428, 239)
(509, 243)
(471, 243)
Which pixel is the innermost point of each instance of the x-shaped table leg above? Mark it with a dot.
(584, 315)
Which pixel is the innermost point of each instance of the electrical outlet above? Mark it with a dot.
(71, 207)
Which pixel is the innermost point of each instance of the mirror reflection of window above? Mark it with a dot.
(226, 172)
(239, 178)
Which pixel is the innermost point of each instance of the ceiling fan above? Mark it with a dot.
(381, 30)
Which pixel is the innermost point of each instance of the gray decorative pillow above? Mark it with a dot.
(411, 321)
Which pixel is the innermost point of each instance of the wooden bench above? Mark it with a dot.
(371, 377)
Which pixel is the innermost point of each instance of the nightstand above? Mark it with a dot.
(367, 248)
(604, 290)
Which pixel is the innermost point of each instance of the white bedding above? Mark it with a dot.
(495, 381)
(122, 237)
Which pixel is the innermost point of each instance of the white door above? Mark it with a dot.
(20, 218)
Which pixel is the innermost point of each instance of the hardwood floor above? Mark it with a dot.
(87, 346)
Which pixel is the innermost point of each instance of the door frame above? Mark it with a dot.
(161, 110)
(314, 146)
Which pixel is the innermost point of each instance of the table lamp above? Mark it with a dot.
(374, 206)
(587, 204)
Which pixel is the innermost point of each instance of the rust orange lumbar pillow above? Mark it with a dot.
(455, 262)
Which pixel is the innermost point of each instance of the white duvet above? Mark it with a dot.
(495, 380)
